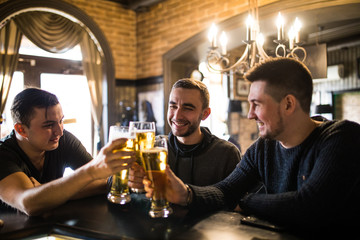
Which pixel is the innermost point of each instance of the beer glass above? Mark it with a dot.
(119, 191)
(145, 137)
(154, 161)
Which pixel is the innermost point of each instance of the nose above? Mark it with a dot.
(177, 113)
(58, 129)
(251, 113)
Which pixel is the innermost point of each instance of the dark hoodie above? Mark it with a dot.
(206, 163)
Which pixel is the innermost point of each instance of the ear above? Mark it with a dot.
(289, 103)
(206, 112)
(20, 129)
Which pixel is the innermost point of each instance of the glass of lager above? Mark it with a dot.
(119, 191)
(154, 162)
(145, 137)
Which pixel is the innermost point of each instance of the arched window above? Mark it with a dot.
(98, 51)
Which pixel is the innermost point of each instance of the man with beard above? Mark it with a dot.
(309, 169)
(195, 155)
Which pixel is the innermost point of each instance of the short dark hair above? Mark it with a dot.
(22, 108)
(190, 83)
(284, 76)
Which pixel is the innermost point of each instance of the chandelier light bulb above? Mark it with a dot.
(212, 35)
(280, 26)
(223, 42)
(249, 26)
(260, 39)
(291, 34)
(297, 27)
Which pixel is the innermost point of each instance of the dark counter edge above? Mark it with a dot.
(58, 229)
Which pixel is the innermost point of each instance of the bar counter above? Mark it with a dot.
(96, 218)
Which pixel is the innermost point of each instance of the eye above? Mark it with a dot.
(255, 104)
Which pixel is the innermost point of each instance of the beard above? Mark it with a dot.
(279, 128)
(192, 127)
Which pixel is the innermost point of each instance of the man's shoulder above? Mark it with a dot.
(12, 158)
(341, 126)
(212, 140)
(68, 139)
(223, 147)
(223, 143)
(8, 143)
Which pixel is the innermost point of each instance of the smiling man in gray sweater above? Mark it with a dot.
(195, 155)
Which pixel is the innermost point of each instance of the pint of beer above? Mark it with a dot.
(145, 137)
(119, 191)
(154, 162)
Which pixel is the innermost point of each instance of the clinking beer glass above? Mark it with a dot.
(145, 137)
(154, 162)
(119, 191)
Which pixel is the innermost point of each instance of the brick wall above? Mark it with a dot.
(172, 22)
(119, 27)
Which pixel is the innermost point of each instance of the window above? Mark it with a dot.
(17, 85)
(38, 70)
(74, 97)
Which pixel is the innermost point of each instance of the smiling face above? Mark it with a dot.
(185, 113)
(265, 111)
(46, 128)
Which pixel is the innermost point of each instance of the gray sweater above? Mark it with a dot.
(205, 163)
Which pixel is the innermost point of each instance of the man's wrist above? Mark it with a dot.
(189, 197)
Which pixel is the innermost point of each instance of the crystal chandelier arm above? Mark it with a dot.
(294, 55)
(282, 46)
(252, 55)
(215, 57)
(222, 58)
(262, 52)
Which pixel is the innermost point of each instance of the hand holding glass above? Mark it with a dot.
(119, 192)
(154, 161)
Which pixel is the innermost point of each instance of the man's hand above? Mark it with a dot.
(33, 198)
(35, 182)
(176, 191)
(109, 161)
(136, 176)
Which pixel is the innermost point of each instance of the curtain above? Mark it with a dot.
(56, 34)
(93, 70)
(10, 39)
(49, 31)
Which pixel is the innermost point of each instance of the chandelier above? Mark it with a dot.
(217, 59)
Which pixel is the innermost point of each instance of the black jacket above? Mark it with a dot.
(203, 164)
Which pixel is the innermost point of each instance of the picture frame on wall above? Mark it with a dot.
(242, 89)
